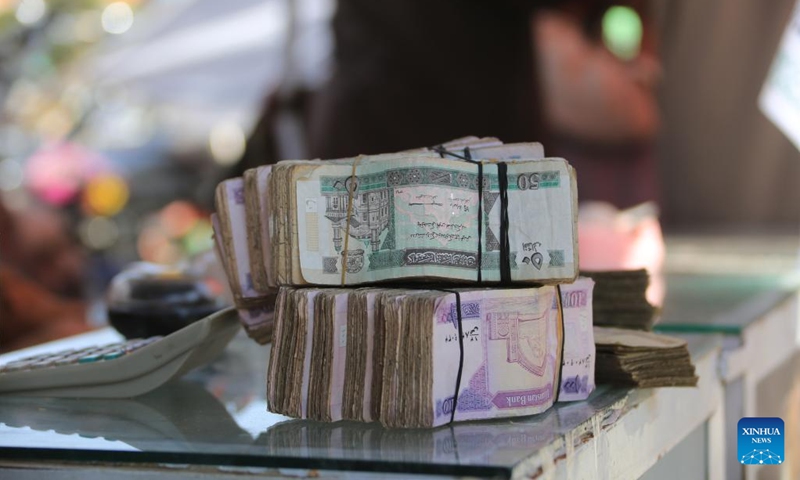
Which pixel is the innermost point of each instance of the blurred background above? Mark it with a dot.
(118, 118)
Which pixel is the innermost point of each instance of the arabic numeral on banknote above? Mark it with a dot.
(537, 180)
(525, 182)
(574, 299)
(575, 384)
(445, 407)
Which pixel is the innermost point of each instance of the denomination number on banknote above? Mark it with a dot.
(528, 181)
(538, 180)
(447, 405)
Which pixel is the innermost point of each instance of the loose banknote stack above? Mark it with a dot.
(471, 211)
(620, 299)
(426, 357)
(642, 359)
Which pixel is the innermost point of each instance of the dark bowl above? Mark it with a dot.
(150, 322)
(159, 305)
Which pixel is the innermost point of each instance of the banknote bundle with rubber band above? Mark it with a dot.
(430, 286)
(473, 211)
(424, 233)
(423, 217)
(419, 357)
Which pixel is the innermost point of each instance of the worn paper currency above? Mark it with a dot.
(309, 347)
(578, 363)
(512, 342)
(420, 220)
(233, 232)
(255, 309)
(633, 340)
(259, 227)
(339, 353)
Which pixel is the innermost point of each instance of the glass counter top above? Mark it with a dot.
(722, 282)
(722, 303)
(218, 416)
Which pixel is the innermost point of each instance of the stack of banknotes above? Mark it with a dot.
(620, 299)
(416, 288)
(642, 359)
(471, 211)
(407, 358)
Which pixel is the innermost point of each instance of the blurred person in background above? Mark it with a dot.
(600, 71)
(6, 224)
(29, 313)
(600, 105)
(412, 73)
(47, 252)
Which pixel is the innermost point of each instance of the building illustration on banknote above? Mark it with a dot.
(371, 217)
(368, 218)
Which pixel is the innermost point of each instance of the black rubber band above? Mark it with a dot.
(455, 444)
(563, 338)
(460, 352)
(461, 347)
(503, 226)
(505, 260)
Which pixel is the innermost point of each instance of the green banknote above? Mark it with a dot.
(426, 218)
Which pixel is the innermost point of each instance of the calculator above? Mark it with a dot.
(121, 370)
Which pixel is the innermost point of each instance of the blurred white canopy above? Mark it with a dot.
(198, 62)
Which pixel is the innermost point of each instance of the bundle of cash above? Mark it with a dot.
(230, 241)
(642, 359)
(412, 357)
(620, 299)
(471, 210)
(422, 215)
(577, 365)
(388, 218)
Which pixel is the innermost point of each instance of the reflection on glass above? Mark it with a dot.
(220, 413)
(172, 417)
